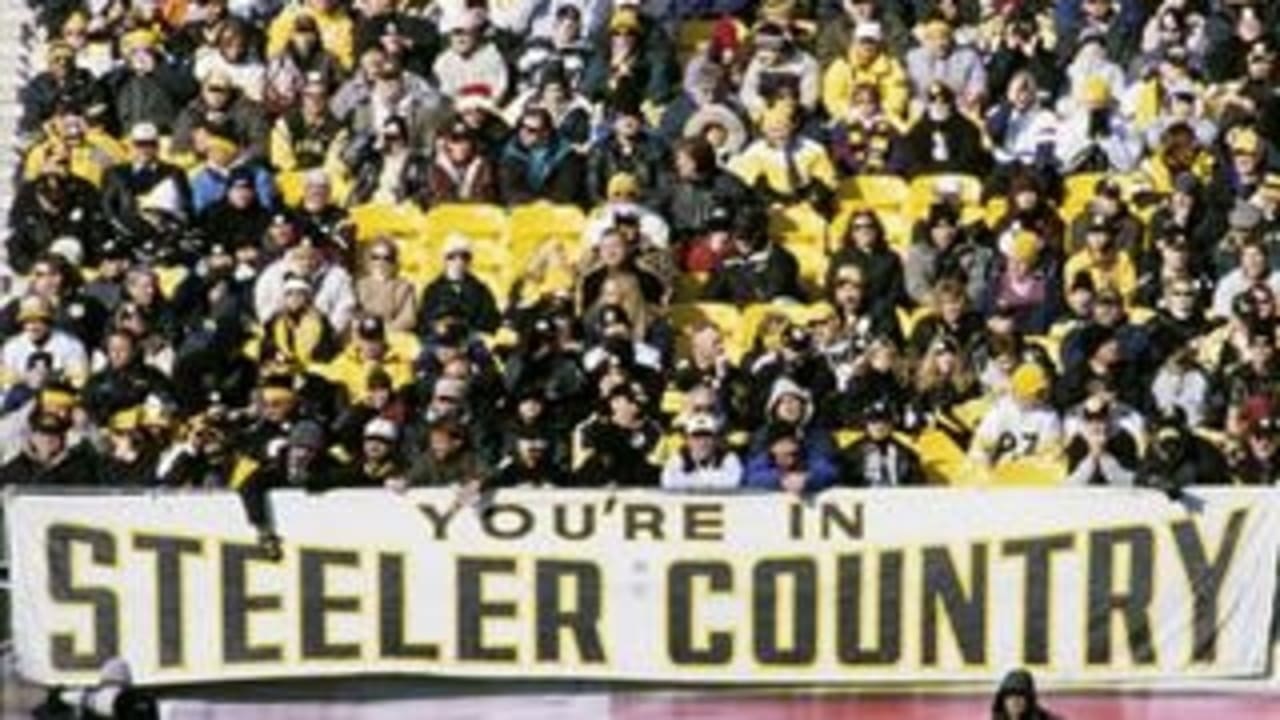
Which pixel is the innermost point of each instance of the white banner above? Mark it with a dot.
(1084, 586)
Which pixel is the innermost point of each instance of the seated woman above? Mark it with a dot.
(865, 245)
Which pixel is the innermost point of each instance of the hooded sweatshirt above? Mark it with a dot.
(1019, 682)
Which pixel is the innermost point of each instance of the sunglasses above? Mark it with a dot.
(458, 256)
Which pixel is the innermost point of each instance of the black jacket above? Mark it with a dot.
(109, 391)
(122, 186)
(79, 465)
(48, 208)
(647, 162)
(688, 203)
(891, 463)
(965, 151)
(562, 179)
(323, 473)
(762, 276)
(469, 294)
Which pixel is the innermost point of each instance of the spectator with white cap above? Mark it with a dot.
(124, 184)
(333, 292)
(380, 463)
(702, 462)
(458, 288)
(471, 58)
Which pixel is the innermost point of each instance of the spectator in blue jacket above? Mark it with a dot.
(788, 463)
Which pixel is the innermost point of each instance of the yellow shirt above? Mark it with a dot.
(352, 372)
(89, 159)
(337, 32)
(1119, 273)
(762, 161)
(885, 72)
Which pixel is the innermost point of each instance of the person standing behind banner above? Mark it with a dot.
(703, 462)
(1016, 699)
(1020, 425)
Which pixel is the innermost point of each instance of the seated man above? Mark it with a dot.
(1020, 425)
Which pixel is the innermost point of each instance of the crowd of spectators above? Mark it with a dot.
(1046, 238)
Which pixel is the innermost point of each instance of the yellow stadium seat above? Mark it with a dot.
(672, 402)
(993, 212)
(897, 227)
(943, 461)
(845, 438)
(888, 192)
(169, 277)
(798, 225)
(971, 413)
(723, 315)
(813, 267)
(924, 190)
(1030, 472)
(479, 223)
(405, 344)
(1077, 191)
(536, 223)
(402, 222)
(754, 317)
(1051, 345)
(913, 318)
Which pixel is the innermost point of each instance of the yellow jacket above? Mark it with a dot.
(337, 32)
(885, 72)
(1161, 178)
(89, 159)
(1121, 274)
(762, 161)
(352, 371)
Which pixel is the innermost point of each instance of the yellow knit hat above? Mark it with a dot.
(623, 186)
(1029, 382)
(1024, 247)
(1095, 90)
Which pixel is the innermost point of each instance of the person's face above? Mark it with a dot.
(568, 28)
(943, 233)
(378, 397)
(304, 41)
(240, 195)
(217, 96)
(315, 99)
(790, 409)
(47, 445)
(1099, 242)
(1015, 706)
(1262, 445)
(686, 167)
(554, 93)
(142, 62)
(628, 125)
(1260, 67)
(864, 232)
(778, 134)
(1026, 199)
(951, 307)
(533, 131)
(145, 152)
(301, 455)
(1022, 92)
(296, 301)
(1182, 203)
(382, 262)
(1108, 354)
(119, 351)
(531, 453)
(849, 292)
(1265, 301)
(463, 41)
(443, 444)
(1106, 205)
(882, 357)
(624, 410)
(1261, 351)
(277, 409)
(305, 261)
(786, 453)
(530, 409)
(457, 263)
(879, 429)
(1081, 302)
(613, 250)
(1107, 312)
(1096, 9)
(708, 345)
(701, 445)
(376, 449)
(46, 280)
(1182, 298)
(1245, 163)
(866, 103)
(945, 362)
(1253, 262)
(233, 46)
(461, 150)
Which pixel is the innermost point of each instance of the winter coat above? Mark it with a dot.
(762, 472)
(551, 172)
(469, 294)
(647, 162)
(244, 119)
(763, 276)
(891, 463)
(78, 465)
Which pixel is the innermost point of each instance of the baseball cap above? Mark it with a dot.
(308, 434)
(381, 429)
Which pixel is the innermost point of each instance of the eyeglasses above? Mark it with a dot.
(458, 256)
(381, 257)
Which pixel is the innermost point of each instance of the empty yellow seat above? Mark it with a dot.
(943, 461)
(888, 192)
(536, 223)
(478, 223)
(1030, 472)
(402, 222)
(798, 225)
(1077, 191)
